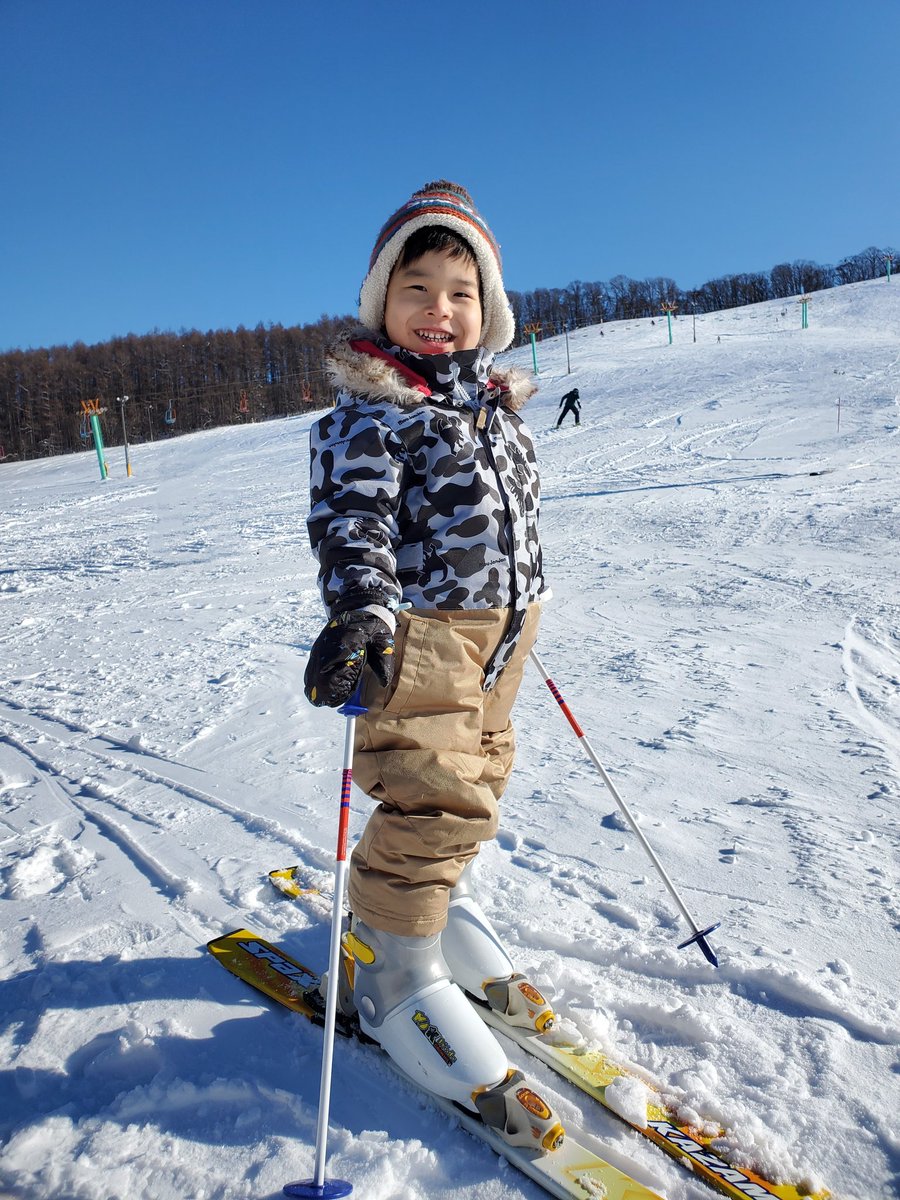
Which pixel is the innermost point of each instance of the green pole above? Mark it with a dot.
(98, 444)
(669, 319)
(534, 352)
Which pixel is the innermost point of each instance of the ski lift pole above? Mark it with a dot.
(532, 330)
(668, 308)
(90, 413)
(98, 445)
(122, 402)
(698, 935)
(317, 1186)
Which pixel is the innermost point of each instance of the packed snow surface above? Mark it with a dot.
(721, 535)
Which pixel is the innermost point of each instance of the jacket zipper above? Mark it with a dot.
(482, 425)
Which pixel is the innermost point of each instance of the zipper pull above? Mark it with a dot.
(481, 420)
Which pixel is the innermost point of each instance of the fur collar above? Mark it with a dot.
(373, 378)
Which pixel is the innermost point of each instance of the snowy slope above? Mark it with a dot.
(725, 626)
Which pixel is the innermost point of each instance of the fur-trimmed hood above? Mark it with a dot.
(360, 372)
(426, 497)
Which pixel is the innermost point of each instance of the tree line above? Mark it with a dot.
(175, 383)
(182, 382)
(579, 304)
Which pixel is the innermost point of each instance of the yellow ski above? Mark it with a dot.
(574, 1172)
(594, 1073)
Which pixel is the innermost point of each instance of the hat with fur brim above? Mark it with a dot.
(451, 206)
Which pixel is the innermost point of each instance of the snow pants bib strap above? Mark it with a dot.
(436, 752)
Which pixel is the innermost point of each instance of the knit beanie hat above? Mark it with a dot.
(449, 205)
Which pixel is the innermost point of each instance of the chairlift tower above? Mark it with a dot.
(91, 410)
(668, 308)
(533, 330)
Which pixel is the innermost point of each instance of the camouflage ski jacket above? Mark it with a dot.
(425, 492)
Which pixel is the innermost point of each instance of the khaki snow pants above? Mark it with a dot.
(436, 752)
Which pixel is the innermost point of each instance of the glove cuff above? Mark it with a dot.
(383, 614)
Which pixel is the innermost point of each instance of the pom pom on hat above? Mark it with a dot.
(449, 205)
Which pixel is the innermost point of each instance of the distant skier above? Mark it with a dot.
(570, 403)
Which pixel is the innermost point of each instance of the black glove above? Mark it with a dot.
(339, 653)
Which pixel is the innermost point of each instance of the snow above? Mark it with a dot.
(725, 624)
(629, 1098)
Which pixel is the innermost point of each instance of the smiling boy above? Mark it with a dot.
(433, 304)
(424, 511)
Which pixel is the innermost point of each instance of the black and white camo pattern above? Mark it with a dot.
(431, 501)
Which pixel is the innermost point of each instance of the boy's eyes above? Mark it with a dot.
(420, 287)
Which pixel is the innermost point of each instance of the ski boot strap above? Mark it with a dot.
(519, 1003)
(519, 1114)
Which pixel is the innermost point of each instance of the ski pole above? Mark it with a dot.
(317, 1186)
(698, 935)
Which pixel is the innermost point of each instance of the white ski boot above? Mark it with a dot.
(406, 1001)
(481, 966)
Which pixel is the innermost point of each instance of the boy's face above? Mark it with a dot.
(433, 305)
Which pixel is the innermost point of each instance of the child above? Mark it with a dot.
(424, 512)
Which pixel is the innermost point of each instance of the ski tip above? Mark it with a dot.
(288, 882)
(700, 938)
(308, 1187)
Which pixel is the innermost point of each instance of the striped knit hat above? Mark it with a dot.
(451, 206)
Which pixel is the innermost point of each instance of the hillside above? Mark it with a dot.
(720, 533)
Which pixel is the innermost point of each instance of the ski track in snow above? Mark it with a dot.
(724, 626)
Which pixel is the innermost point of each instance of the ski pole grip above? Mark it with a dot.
(353, 707)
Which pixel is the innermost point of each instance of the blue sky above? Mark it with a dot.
(210, 163)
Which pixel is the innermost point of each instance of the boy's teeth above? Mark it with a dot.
(434, 337)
